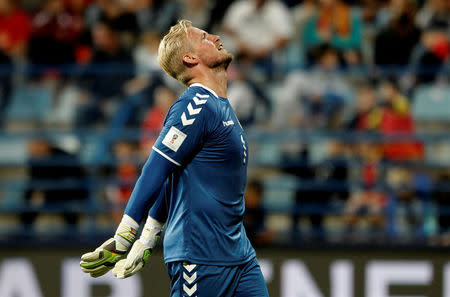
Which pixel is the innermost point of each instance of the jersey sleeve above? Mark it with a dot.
(160, 208)
(186, 126)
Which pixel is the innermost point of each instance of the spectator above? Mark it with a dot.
(431, 53)
(154, 118)
(6, 69)
(367, 205)
(410, 195)
(77, 9)
(146, 52)
(442, 198)
(370, 10)
(321, 187)
(331, 187)
(115, 64)
(315, 98)
(116, 13)
(218, 10)
(55, 33)
(156, 15)
(296, 161)
(302, 13)
(135, 16)
(397, 119)
(433, 11)
(108, 51)
(257, 28)
(394, 44)
(336, 24)
(149, 73)
(14, 35)
(197, 11)
(368, 114)
(15, 29)
(255, 217)
(248, 100)
(56, 178)
(125, 175)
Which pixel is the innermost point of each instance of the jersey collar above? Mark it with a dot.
(206, 88)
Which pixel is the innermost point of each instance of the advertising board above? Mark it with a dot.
(288, 273)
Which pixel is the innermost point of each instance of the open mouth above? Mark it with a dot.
(220, 47)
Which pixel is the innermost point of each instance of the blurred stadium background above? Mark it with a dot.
(346, 104)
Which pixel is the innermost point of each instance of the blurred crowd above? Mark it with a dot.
(378, 68)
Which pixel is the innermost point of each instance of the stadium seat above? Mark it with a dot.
(30, 103)
(431, 110)
(432, 103)
(14, 150)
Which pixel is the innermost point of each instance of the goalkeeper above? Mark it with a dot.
(201, 155)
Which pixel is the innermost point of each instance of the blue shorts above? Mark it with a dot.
(197, 280)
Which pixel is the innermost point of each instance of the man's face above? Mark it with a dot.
(208, 48)
(366, 99)
(103, 38)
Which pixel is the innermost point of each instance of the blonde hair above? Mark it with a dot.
(171, 48)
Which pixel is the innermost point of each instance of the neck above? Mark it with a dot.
(215, 79)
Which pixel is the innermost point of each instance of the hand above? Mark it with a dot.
(103, 259)
(138, 256)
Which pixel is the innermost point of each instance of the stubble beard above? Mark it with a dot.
(223, 62)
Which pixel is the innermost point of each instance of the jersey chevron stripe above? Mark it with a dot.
(201, 96)
(199, 101)
(185, 121)
(190, 291)
(190, 279)
(193, 111)
(166, 156)
(189, 267)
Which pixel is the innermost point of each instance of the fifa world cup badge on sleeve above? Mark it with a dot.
(174, 138)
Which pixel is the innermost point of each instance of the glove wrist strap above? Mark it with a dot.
(151, 232)
(126, 233)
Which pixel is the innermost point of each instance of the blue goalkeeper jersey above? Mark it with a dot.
(203, 137)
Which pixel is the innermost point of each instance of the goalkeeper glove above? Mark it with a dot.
(103, 259)
(139, 254)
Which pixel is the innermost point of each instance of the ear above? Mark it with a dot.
(190, 60)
